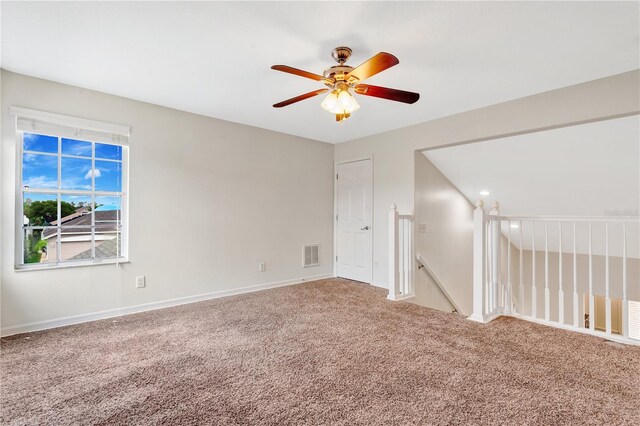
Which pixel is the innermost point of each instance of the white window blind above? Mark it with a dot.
(29, 120)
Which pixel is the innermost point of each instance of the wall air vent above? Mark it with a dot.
(634, 320)
(310, 255)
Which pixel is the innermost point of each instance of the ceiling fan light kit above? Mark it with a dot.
(341, 80)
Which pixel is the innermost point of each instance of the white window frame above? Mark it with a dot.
(61, 126)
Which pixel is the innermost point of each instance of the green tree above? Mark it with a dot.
(44, 212)
(33, 247)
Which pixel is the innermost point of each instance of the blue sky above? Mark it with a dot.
(41, 171)
(108, 203)
(39, 197)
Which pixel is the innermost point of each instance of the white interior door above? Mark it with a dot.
(354, 245)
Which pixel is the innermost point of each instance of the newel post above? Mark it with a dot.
(478, 263)
(412, 254)
(393, 253)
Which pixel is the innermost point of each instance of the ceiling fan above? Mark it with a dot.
(341, 79)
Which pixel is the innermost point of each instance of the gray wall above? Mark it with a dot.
(393, 152)
(447, 243)
(209, 199)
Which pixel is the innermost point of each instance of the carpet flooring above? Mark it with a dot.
(325, 352)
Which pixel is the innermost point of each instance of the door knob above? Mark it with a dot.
(366, 228)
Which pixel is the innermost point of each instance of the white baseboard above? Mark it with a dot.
(601, 334)
(94, 316)
(483, 319)
(401, 298)
(381, 285)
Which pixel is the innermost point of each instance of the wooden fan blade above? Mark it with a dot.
(301, 73)
(387, 93)
(300, 98)
(374, 65)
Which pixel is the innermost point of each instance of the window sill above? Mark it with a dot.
(51, 266)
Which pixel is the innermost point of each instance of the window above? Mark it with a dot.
(72, 195)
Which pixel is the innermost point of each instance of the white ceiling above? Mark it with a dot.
(214, 58)
(586, 170)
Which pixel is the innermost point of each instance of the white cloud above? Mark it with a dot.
(40, 182)
(36, 160)
(81, 149)
(96, 174)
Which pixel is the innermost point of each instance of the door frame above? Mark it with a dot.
(336, 163)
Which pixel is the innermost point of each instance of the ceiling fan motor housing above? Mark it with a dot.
(341, 54)
(337, 72)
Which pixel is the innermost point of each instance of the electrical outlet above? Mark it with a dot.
(262, 266)
(140, 282)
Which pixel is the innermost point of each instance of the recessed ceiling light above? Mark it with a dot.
(515, 225)
(484, 192)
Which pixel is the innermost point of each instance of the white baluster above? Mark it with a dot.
(547, 292)
(409, 255)
(489, 237)
(480, 252)
(495, 255)
(560, 290)
(492, 289)
(508, 301)
(576, 311)
(534, 289)
(625, 302)
(412, 254)
(407, 260)
(401, 256)
(407, 241)
(592, 299)
(403, 249)
(607, 306)
(487, 267)
(521, 273)
(393, 253)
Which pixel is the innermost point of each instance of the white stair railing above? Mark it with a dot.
(401, 255)
(500, 260)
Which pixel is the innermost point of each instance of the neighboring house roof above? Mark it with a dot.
(78, 213)
(105, 222)
(108, 249)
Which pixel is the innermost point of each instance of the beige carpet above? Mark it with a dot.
(327, 352)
